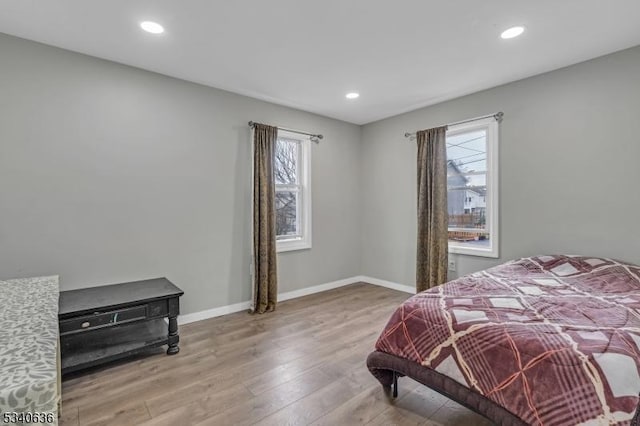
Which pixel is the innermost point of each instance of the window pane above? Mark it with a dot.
(287, 214)
(468, 151)
(467, 189)
(464, 202)
(286, 161)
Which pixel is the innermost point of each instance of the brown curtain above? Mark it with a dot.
(265, 276)
(432, 253)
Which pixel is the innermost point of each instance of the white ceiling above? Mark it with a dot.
(400, 55)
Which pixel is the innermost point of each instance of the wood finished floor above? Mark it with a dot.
(303, 364)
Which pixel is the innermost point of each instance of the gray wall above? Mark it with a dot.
(109, 173)
(569, 178)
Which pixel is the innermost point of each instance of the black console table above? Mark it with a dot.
(102, 324)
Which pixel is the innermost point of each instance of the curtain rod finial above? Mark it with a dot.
(407, 134)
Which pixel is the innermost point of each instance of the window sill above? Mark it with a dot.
(292, 245)
(479, 252)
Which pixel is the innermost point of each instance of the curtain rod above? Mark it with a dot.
(314, 138)
(497, 116)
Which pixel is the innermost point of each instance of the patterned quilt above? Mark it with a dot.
(28, 349)
(555, 340)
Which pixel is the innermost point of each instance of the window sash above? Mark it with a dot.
(288, 188)
(482, 172)
(302, 237)
(294, 188)
(298, 157)
(297, 190)
(490, 127)
(471, 188)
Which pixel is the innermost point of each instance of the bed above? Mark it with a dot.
(29, 356)
(545, 340)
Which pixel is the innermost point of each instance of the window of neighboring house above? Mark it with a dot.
(293, 192)
(472, 165)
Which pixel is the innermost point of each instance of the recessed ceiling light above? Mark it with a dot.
(512, 32)
(352, 95)
(152, 27)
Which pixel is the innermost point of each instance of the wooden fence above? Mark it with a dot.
(464, 225)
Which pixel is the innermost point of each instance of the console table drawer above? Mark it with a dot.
(102, 319)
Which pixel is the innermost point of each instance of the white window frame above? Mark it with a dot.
(303, 241)
(491, 126)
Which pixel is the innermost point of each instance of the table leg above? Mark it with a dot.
(173, 336)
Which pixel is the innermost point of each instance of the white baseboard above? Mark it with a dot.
(316, 289)
(244, 306)
(388, 284)
(212, 313)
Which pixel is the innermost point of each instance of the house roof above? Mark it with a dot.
(456, 170)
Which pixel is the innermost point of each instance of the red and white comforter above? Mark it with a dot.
(553, 339)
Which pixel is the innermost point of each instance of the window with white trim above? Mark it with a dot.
(472, 188)
(292, 168)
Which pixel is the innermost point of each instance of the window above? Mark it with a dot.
(293, 192)
(472, 188)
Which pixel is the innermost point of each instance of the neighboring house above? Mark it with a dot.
(475, 200)
(462, 200)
